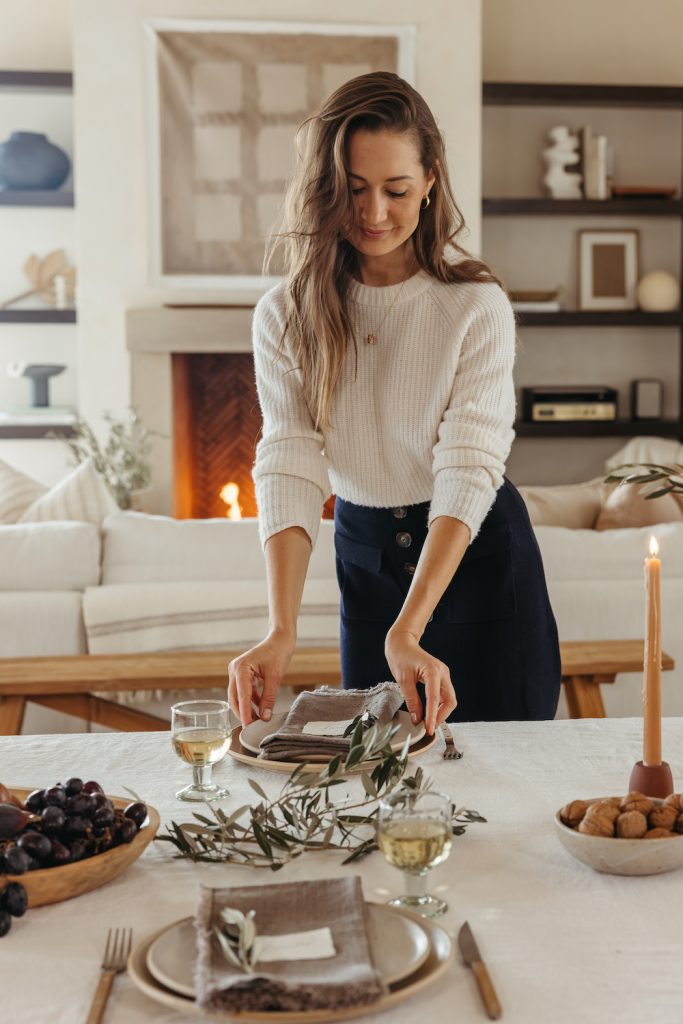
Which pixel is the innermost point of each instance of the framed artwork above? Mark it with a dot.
(225, 99)
(608, 269)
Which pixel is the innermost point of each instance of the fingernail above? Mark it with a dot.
(265, 714)
(414, 717)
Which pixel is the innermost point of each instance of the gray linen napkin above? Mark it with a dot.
(347, 979)
(328, 704)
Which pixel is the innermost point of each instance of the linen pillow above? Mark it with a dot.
(626, 507)
(647, 449)
(17, 492)
(81, 495)
(576, 506)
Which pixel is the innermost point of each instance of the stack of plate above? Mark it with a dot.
(409, 954)
(245, 742)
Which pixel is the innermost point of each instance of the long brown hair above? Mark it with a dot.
(320, 261)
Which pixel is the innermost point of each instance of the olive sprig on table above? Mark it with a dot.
(304, 816)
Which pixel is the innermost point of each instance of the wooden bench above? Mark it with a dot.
(69, 683)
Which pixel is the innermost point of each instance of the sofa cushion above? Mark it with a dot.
(49, 556)
(140, 548)
(609, 554)
(136, 617)
(17, 492)
(576, 506)
(37, 624)
(81, 495)
(625, 507)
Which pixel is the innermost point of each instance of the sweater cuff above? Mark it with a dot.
(463, 494)
(285, 501)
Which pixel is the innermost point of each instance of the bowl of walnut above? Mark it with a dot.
(631, 835)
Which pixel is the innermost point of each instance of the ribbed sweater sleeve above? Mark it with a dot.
(290, 470)
(476, 430)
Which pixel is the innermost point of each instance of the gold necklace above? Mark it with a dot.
(371, 338)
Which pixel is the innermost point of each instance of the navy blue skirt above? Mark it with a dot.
(494, 626)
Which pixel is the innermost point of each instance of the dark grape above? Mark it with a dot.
(12, 820)
(5, 922)
(55, 795)
(35, 844)
(16, 861)
(102, 801)
(14, 899)
(137, 812)
(82, 805)
(35, 801)
(60, 853)
(77, 827)
(34, 864)
(104, 818)
(104, 841)
(128, 830)
(79, 849)
(52, 820)
(73, 786)
(92, 787)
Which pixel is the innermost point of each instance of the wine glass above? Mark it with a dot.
(414, 832)
(200, 732)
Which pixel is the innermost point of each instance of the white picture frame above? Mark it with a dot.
(608, 269)
(156, 30)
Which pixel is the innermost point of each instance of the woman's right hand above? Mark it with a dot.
(255, 676)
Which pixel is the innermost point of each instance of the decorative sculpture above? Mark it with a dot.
(561, 154)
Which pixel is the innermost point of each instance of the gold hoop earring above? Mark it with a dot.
(425, 202)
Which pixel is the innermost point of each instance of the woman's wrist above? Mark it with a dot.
(406, 629)
(283, 633)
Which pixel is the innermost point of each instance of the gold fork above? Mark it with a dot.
(451, 752)
(119, 942)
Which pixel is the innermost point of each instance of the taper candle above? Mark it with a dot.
(652, 696)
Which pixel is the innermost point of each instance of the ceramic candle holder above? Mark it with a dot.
(651, 779)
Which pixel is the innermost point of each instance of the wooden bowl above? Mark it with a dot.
(51, 885)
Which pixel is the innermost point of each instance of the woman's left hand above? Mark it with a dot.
(409, 665)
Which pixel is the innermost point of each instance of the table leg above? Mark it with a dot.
(11, 715)
(584, 699)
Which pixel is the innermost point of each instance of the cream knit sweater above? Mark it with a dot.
(426, 416)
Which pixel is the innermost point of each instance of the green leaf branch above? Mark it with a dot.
(653, 480)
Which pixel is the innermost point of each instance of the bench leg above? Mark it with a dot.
(11, 715)
(104, 712)
(584, 699)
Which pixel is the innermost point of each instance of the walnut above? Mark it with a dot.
(659, 833)
(637, 802)
(663, 816)
(675, 800)
(597, 825)
(605, 809)
(572, 813)
(631, 825)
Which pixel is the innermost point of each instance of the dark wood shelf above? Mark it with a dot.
(607, 428)
(37, 80)
(590, 318)
(11, 433)
(37, 316)
(35, 197)
(532, 206)
(556, 94)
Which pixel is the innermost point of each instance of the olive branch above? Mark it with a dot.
(654, 480)
(304, 816)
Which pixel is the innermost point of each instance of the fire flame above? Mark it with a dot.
(654, 547)
(229, 494)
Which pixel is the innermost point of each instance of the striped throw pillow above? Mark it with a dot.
(17, 492)
(82, 495)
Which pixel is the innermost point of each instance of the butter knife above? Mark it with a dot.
(472, 957)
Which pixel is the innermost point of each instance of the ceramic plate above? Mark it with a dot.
(399, 947)
(439, 959)
(252, 734)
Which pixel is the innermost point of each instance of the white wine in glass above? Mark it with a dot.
(415, 833)
(200, 734)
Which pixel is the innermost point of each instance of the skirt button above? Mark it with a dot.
(404, 540)
(399, 513)
(409, 567)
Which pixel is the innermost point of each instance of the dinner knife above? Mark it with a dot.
(472, 957)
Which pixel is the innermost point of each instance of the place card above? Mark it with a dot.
(326, 728)
(316, 944)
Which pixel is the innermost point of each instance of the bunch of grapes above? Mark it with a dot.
(60, 825)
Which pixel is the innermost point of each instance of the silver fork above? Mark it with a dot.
(119, 942)
(451, 752)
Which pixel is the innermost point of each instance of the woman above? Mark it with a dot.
(384, 366)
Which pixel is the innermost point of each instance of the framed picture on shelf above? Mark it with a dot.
(608, 269)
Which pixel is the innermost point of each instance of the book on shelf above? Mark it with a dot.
(551, 306)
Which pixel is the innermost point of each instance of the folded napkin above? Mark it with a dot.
(328, 705)
(349, 978)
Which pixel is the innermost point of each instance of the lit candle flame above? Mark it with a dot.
(229, 494)
(654, 547)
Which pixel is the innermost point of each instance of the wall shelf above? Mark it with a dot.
(35, 430)
(541, 206)
(37, 316)
(608, 428)
(595, 318)
(549, 94)
(37, 81)
(36, 197)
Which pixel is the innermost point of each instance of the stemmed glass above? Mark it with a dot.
(414, 832)
(200, 732)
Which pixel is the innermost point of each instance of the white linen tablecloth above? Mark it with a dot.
(563, 943)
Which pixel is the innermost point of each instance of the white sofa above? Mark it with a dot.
(148, 583)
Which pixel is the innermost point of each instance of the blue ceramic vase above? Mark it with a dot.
(30, 161)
